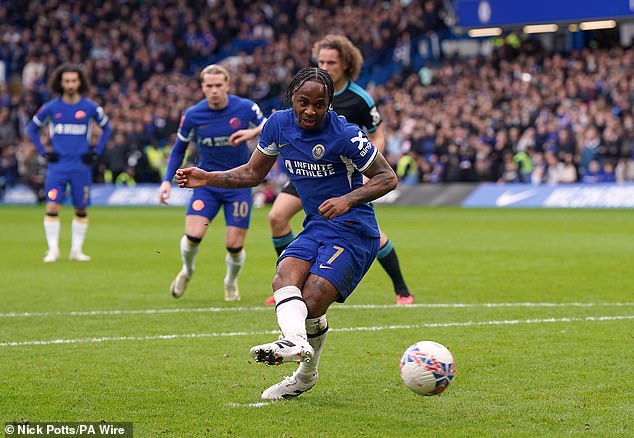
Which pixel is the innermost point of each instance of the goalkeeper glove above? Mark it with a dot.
(89, 158)
(52, 157)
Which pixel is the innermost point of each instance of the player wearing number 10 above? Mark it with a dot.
(326, 158)
(220, 124)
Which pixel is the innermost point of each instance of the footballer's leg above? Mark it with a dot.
(291, 314)
(236, 255)
(54, 188)
(237, 208)
(79, 228)
(195, 228)
(286, 205)
(334, 257)
(291, 311)
(80, 193)
(389, 261)
(306, 376)
(319, 293)
(51, 230)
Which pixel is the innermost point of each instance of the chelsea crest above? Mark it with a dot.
(318, 151)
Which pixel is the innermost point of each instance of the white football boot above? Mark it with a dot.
(290, 387)
(77, 255)
(51, 256)
(232, 292)
(284, 350)
(179, 284)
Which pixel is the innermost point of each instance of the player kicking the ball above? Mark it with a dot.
(326, 157)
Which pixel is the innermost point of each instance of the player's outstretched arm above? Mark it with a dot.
(248, 175)
(381, 180)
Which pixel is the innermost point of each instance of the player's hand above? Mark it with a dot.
(52, 157)
(164, 192)
(89, 158)
(334, 207)
(240, 136)
(191, 177)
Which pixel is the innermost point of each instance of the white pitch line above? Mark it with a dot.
(342, 329)
(335, 307)
(250, 405)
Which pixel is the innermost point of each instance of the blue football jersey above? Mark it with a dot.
(210, 129)
(69, 126)
(323, 163)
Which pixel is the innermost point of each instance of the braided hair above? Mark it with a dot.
(314, 74)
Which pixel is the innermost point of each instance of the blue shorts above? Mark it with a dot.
(79, 180)
(237, 203)
(339, 255)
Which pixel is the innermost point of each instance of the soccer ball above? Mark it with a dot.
(427, 368)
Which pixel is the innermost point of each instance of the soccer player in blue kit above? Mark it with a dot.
(220, 125)
(343, 61)
(70, 156)
(326, 158)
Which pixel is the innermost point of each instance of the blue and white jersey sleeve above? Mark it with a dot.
(257, 116)
(359, 149)
(99, 116)
(268, 142)
(42, 116)
(187, 128)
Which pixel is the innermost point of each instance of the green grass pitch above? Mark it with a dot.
(537, 307)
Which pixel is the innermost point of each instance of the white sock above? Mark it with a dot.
(316, 330)
(79, 228)
(291, 312)
(188, 255)
(234, 265)
(51, 229)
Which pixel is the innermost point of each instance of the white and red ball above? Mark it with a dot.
(427, 368)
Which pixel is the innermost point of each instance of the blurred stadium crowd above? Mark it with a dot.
(522, 114)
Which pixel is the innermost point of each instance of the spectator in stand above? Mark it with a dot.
(565, 144)
(114, 160)
(8, 132)
(590, 151)
(554, 168)
(609, 172)
(8, 168)
(524, 164)
(570, 174)
(32, 166)
(593, 174)
(407, 170)
(509, 174)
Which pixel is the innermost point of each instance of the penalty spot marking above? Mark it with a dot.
(342, 329)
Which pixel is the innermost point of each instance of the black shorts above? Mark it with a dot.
(289, 188)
